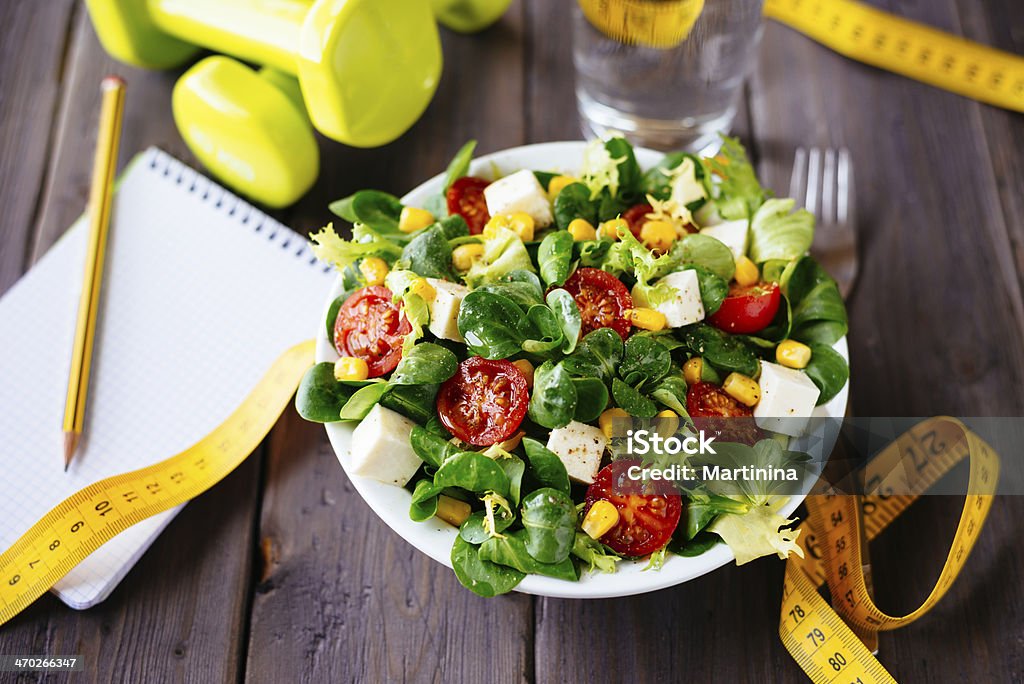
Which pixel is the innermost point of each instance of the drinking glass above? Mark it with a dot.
(674, 97)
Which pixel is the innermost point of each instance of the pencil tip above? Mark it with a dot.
(70, 444)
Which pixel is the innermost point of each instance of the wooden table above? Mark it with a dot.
(290, 576)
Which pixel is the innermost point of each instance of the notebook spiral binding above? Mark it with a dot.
(244, 213)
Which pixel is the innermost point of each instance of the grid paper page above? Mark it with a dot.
(201, 293)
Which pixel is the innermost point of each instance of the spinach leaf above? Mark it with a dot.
(598, 355)
(493, 325)
(591, 399)
(473, 529)
(342, 208)
(511, 550)
(630, 177)
(474, 472)
(574, 202)
(644, 362)
(412, 401)
(549, 517)
(544, 178)
(713, 289)
(702, 542)
(631, 401)
(459, 165)
(547, 468)
(425, 364)
(376, 209)
(522, 293)
(828, 370)
(320, 397)
(610, 206)
(723, 351)
(453, 227)
(480, 576)
(655, 181)
(553, 403)
(437, 205)
(703, 250)
(433, 449)
(362, 402)
(424, 501)
(703, 508)
(332, 313)
(554, 257)
(592, 253)
(567, 313)
(429, 255)
(548, 331)
(672, 393)
(514, 468)
(819, 315)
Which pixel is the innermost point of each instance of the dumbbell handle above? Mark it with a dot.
(261, 31)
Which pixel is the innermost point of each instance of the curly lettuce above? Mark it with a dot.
(738, 193)
(366, 242)
(758, 532)
(415, 308)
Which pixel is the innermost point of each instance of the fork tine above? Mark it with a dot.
(813, 180)
(828, 188)
(844, 186)
(798, 179)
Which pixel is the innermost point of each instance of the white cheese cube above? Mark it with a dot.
(520, 191)
(381, 449)
(444, 309)
(685, 306)
(787, 401)
(733, 234)
(580, 447)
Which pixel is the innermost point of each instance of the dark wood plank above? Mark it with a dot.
(343, 598)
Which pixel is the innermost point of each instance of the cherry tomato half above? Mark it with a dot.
(371, 327)
(465, 197)
(646, 519)
(715, 412)
(747, 309)
(602, 299)
(484, 402)
(636, 216)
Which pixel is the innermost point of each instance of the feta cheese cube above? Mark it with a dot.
(580, 447)
(381, 449)
(685, 306)
(444, 309)
(520, 191)
(733, 233)
(788, 398)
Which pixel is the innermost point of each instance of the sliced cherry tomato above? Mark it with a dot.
(465, 197)
(602, 299)
(647, 518)
(484, 402)
(747, 309)
(636, 216)
(715, 412)
(371, 327)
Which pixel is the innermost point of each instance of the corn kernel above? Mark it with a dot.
(522, 224)
(607, 421)
(512, 442)
(793, 354)
(425, 290)
(648, 319)
(610, 228)
(667, 422)
(351, 368)
(463, 256)
(658, 235)
(559, 183)
(413, 218)
(526, 368)
(601, 518)
(581, 230)
(746, 272)
(374, 270)
(692, 370)
(452, 511)
(743, 389)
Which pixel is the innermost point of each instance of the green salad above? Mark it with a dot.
(501, 347)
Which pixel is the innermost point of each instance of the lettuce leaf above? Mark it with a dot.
(756, 533)
(503, 253)
(775, 233)
(599, 170)
(595, 553)
(415, 308)
(738, 192)
(365, 242)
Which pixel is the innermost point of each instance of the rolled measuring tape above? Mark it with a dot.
(852, 29)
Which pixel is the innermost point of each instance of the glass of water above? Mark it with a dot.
(676, 97)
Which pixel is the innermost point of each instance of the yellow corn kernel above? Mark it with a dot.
(526, 368)
(463, 256)
(746, 272)
(743, 389)
(648, 319)
(581, 230)
(374, 270)
(693, 369)
(793, 354)
(667, 422)
(522, 224)
(351, 368)
(413, 218)
(452, 511)
(425, 290)
(658, 235)
(601, 518)
(558, 183)
(512, 442)
(607, 421)
(610, 228)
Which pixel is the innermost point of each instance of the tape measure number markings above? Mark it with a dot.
(92, 516)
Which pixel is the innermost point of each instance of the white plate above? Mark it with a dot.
(434, 537)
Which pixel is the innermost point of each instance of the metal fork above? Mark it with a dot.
(825, 180)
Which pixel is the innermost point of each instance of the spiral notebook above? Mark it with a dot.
(202, 292)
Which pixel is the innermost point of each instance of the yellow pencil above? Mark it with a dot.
(111, 114)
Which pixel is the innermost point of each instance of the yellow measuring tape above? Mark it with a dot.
(93, 516)
(851, 28)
